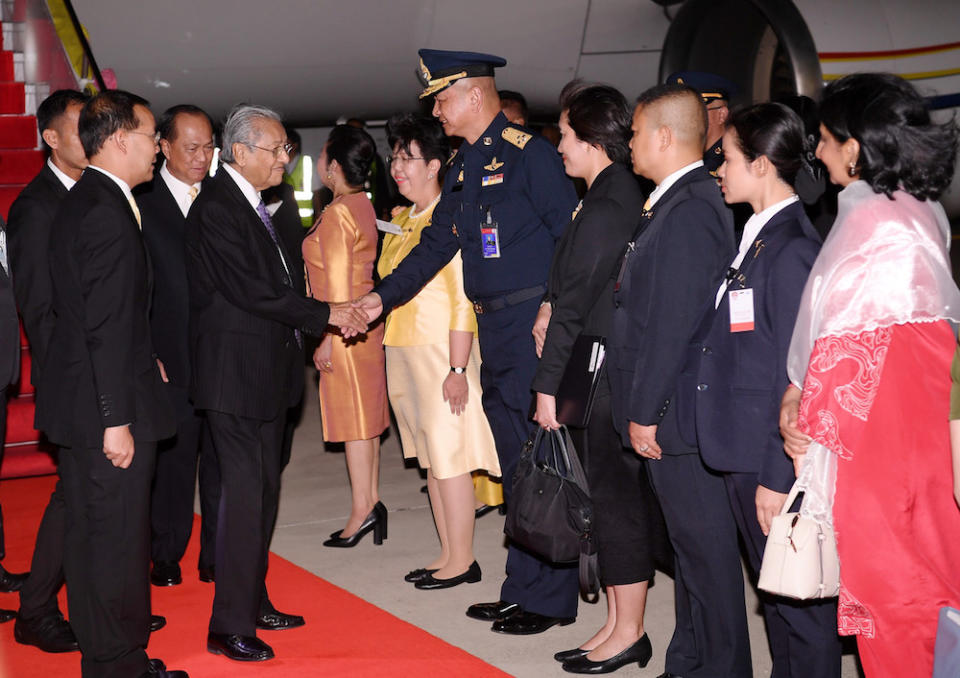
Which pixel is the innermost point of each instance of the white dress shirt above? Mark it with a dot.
(64, 179)
(671, 179)
(253, 197)
(179, 189)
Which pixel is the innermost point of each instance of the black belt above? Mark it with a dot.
(507, 300)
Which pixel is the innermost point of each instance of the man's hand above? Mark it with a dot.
(369, 303)
(118, 445)
(540, 326)
(546, 414)
(644, 440)
(321, 355)
(456, 392)
(351, 321)
(769, 504)
(163, 371)
(795, 441)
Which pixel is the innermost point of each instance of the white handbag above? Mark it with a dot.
(800, 558)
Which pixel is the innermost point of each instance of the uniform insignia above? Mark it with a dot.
(453, 154)
(492, 179)
(576, 211)
(718, 150)
(460, 176)
(515, 136)
(494, 165)
(487, 141)
(454, 229)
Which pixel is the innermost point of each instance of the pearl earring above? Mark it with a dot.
(852, 170)
(430, 176)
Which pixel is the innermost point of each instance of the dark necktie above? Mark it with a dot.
(268, 222)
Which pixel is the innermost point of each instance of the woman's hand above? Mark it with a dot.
(350, 319)
(795, 441)
(455, 392)
(769, 504)
(643, 439)
(321, 356)
(546, 414)
(540, 325)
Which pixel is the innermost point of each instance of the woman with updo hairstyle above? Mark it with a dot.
(339, 253)
(729, 395)
(869, 365)
(595, 135)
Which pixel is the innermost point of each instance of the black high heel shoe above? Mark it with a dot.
(640, 652)
(376, 521)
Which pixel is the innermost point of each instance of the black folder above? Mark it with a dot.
(578, 388)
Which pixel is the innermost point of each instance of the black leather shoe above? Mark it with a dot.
(667, 674)
(239, 648)
(157, 622)
(51, 633)
(640, 652)
(158, 669)
(493, 611)
(414, 576)
(528, 623)
(483, 510)
(206, 574)
(7, 615)
(10, 582)
(566, 655)
(278, 621)
(165, 573)
(376, 522)
(471, 576)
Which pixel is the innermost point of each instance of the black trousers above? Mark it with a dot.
(171, 515)
(38, 597)
(248, 452)
(802, 634)
(107, 558)
(710, 639)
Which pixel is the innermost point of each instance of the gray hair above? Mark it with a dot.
(239, 127)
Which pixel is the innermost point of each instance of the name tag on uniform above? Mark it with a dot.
(741, 310)
(491, 180)
(490, 241)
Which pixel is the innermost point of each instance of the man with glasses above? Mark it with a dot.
(715, 92)
(246, 334)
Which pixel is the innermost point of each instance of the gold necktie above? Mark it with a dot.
(646, 205)
(193, 193)
(136, 211)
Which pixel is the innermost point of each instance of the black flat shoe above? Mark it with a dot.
(7, 615)
(165, 573)
(157, 622)
(640, 652)
(51, 633)
(376, 522)
(10, 581)
(157, 669)
(500, 609)
(471, 576)
(206, 574)
(528, 623)
(414, 576)
(278, 621)
(566, 655)
(239, 648)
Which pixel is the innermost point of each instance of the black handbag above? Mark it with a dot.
(550, 512)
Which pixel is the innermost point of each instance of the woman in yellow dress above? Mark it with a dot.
(433, 362)
(339, 254)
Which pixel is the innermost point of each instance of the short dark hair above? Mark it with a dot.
(599, 115)
(354, 150)
(293, 137)
(55, 105)
(165, 123)
(773, 130)
(404, 128)
(678, 91)
(104, 114)
(518, 99)
(900, 146)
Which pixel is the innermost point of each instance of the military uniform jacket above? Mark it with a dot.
(517, 179)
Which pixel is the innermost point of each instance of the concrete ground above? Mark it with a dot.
(315, 502)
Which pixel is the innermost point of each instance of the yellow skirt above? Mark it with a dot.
(448, 444)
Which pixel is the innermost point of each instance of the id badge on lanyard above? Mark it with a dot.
(490, 238)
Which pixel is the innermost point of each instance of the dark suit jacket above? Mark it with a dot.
(585, 264)
(244, 358)
(729, 395)
(290, 229)
(669, 272)
(9, 332)
(28, 239)
(100, 369)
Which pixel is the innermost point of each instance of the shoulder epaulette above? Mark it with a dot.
(516, 137)
(453, 154)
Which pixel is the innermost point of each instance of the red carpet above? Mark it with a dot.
(344, 635)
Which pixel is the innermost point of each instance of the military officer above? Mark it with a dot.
(715, 91)
(505, 202)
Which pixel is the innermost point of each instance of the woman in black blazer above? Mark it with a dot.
(595, 127)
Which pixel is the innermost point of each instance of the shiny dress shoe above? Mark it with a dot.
(493, 611)
(278, 621)
(471, 576)
(481, 511)
(10, 582)
(667, 674)
(566, 655)
(528, 623)
(165, 573)
(158, 669)
(414, 576)
(51, 633)
(640, 652)
(7, 615)
(239, 648)
(157, 622)
(206, 574)
(376, 521)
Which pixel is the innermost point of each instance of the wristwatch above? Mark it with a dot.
(458, 370)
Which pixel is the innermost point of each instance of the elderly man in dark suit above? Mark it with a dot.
(663, 289)
(101, 395)
(40, 622)
(247, 322)
(187, 144)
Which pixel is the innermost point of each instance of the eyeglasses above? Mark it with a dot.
(282, 148)
(155, 136)
(403, 159)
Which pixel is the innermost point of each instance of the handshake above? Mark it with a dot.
(353, 317)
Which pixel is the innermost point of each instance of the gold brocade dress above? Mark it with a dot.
(417, 344)
(338, 255)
